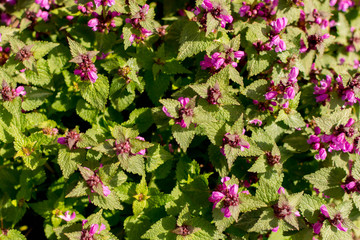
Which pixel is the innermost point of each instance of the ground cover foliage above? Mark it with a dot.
(206, 119)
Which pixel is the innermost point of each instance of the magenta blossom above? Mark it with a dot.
(108, 3)
(94, 182)
(87, 234)
(227, 194)
(279, 24)
(86, 68)
(44, 3)
(256, 122)
(185, 111)
(8, 93)
(336, 221)
(67, 217)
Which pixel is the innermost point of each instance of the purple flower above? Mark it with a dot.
(290, 93)
(239, 54)
(270, 95)
(275, 229)
(256, 122)
(207, 5)
(294, 72)
(281, 190)
(278, 43)
(227, 194)
(317, 227)
(86, 68)
(70, 140)
(336, 221)
(20, 91)
(43, 3)
(279, 24)
(142, 151)
(89, 233)
(244, 9)
(184, 111)
(67, 217)
(322, 154)
(108, 3)
(93, 23)
(43, 14)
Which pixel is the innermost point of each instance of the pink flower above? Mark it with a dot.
(43, 3)
(270, 95)
(279, 24)
(275, 229)
(67, 217)
(229, 195)
(322, 154)
(93, 23)
(43, 14)
(256, 122)
(281, 190)
(317, 227)
(20, 91)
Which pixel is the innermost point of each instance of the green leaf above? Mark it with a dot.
(96, 93)
(220, 221)
(134, 164)
(256, 90)
(79, 190)
(110, 202)
(183, 136)
(34, 98)
(86, 111)
(257, 63)
(141, 118)
(40, 48)
(75, 48)
(248, 203)
(192, 41)
(162, 229)
(328, 180)
(211, 23)
(293, 119)
(68, 160)
(120, 96)
(262, 219)
(13, 234)
(157, 156)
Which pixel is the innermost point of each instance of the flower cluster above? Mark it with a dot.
(343, 5)
(287, 88)
(277, 26)
(218, 60)
(8, 93)
(346, 93)
(124, 147)
(135, 21)
(228, 195)
(342, 139)
(185, 111)
(67, 217)
(217, 11)
(94, 181)
(86, 68)
(101, 23)
(87, 234)
(235, 141)
(70, 140)
(336, 221)
(264, 9)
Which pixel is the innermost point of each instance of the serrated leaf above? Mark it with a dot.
(96, 93)
(110, 202)
(68, 160)
(328, 180)
(40, 48)
(75, 48)
(192, 41)
(157, 156)
(162, 229)
(34, 98)
(256, 90)
(79, 190)
(183, 136)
